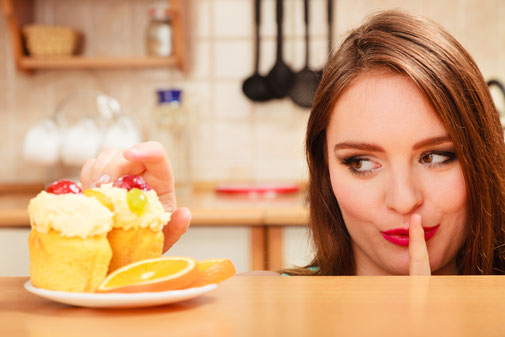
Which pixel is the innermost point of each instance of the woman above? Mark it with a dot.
(405, 152)
(450, 87)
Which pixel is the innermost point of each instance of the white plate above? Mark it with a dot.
(93, 300)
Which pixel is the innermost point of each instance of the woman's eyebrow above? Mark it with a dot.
(376, 148)
(431, 141)
(358, 146)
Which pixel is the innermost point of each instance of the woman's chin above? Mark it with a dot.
(398, 265)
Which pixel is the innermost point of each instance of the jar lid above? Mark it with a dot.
(169, 96)
(160, 12)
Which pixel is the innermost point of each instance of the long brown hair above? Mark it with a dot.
(449, 78)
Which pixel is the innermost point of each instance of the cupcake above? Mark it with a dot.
(68, 245)
(139, 218)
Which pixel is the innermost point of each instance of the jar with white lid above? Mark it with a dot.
(159, 32)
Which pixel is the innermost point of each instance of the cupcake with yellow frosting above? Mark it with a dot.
(139, 218)
(69, 250)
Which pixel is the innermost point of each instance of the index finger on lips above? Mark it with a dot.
(418, 251)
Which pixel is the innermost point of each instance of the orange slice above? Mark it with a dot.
(158, 274)
(214, 271)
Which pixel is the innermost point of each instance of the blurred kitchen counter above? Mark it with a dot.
(208, 208)
(266, 216)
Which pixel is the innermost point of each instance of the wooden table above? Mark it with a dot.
(281, 306)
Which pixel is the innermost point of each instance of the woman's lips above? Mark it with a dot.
(400, 236)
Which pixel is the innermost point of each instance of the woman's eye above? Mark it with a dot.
(436, 159)
(428, 159)
(359, 165)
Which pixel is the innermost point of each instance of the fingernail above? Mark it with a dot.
(103, 179)
(134, 150)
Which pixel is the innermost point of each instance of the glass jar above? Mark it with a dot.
(172, 129)
(159, 32)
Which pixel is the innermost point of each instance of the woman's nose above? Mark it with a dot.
(403, 193)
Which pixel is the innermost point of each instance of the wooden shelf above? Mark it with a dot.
(81, 62)
(20, 12)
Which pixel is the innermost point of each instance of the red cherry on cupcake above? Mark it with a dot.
(63, 187)
(132, 181)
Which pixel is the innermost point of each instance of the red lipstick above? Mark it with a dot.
(400, 236)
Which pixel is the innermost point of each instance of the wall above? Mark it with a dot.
(234, 138)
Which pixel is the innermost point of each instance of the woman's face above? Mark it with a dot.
(390, 157)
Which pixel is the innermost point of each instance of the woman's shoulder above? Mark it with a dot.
(259, 273)
(312, 268)
(273, 273)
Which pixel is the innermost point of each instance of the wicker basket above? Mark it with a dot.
(50, 41)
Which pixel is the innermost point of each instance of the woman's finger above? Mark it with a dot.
(418, 251)
(152, 154)
(118, 166)
(101, 161)
(85, 177)
(149, 160)
(178, 225)
(153, 157)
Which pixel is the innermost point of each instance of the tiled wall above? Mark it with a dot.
(233, 138)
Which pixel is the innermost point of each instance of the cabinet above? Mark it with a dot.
(20, 12)
(14, 260)
(200, 242)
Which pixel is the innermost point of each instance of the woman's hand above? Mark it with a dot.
(150, 161)
(419, 259)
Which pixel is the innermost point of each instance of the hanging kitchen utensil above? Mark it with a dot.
(330, 33)
(330, 26)
(280, 78)
(306, 80)
(501, 87)
(255, 87)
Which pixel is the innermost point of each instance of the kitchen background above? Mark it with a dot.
(232, 139)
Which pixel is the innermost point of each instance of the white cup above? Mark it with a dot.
(42, 143)
(80, 142)
(122, 134)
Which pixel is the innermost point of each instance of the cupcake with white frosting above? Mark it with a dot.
(69, 249)
(139, 217)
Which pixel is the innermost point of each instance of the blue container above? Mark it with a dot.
(169, 96)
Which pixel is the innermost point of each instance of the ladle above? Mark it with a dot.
(255, 87)
(501, 87)
(280, 78)
(306, 80)
(330, 34)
